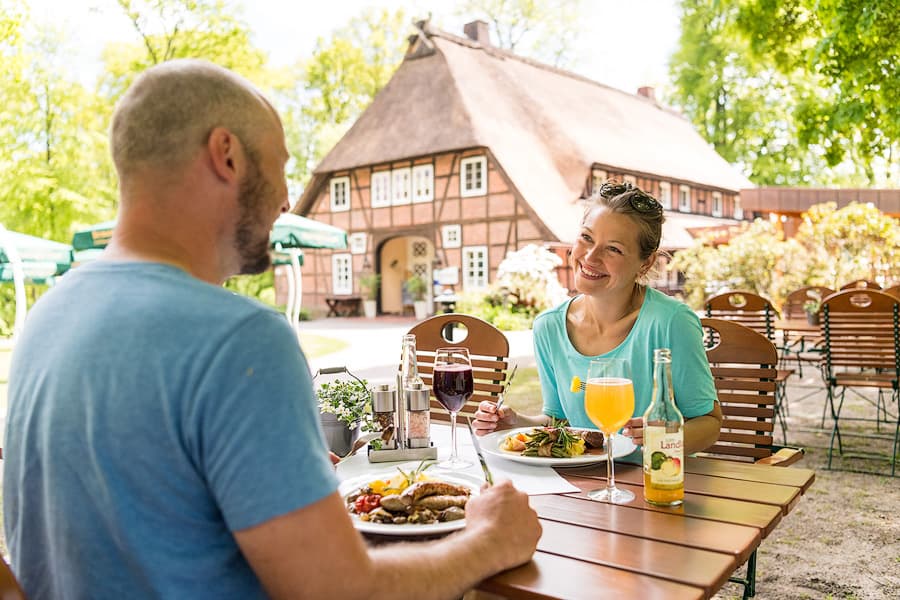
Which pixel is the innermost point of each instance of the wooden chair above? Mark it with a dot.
(862, 350)
(802, 347)
(759, 314)
(743, 362)
(894, 291)
(9, 587)
(860, 284)
(488, 350)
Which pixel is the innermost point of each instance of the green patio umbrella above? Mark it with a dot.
(291, 233)
(29, 258)
(94, 237)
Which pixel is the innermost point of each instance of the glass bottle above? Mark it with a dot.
(663, 438)
(409, 376)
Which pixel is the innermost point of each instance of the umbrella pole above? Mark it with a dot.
(298, 289)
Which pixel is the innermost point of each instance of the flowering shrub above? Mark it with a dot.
(346, 399)
(526, 285)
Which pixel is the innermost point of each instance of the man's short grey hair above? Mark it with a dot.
(167, 114)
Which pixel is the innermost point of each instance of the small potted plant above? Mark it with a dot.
(368, 284)
(343, 408)
(416, 287)
(812, 307)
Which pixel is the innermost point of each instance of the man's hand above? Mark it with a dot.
(500, 516)
(487, 419)
(335, 459)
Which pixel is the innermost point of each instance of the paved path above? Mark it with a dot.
(374, 350)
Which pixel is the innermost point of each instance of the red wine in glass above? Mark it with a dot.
(453, 385)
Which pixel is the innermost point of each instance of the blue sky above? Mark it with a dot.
(626, 43)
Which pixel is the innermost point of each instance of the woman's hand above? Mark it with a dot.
(487, 419)
(634, 428)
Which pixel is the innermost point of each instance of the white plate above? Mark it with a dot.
(351, 485)
(490, 444)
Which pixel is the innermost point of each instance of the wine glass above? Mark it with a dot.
(453, 386)
(609, 403)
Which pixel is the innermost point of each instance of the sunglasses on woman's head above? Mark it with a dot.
(644, 203)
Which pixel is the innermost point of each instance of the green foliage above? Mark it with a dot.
(758, 79)
(369, 283)
(261, 287)
(416, 287)
(347, 399)
(545, 31)
(831, 248)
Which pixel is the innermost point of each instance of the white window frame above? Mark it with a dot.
(598, 176)
(341, 274)
(401, 186)
(481, 161)
(423, 183)
(451, 236)
(630, 179)
(717, 204)
(357, 242)
(472, 279)
(340, 203)
(684, 198)
(665, 195)
(380, 190)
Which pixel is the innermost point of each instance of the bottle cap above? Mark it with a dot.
(383, 398)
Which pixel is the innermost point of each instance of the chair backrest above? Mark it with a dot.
(861, 331)
(793, 304)
(747, 308)
(488, 351)
(860, 284)
(894, 291)
(743, 366)
(9, 587)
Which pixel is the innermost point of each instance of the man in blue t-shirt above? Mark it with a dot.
(162, 438)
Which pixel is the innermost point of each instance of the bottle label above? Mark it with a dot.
(664, 456)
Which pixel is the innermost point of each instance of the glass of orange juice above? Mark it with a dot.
(609, 403)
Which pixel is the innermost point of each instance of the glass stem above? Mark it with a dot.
(453, 437)
(610, 472)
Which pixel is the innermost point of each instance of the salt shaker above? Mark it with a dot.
(418, 420)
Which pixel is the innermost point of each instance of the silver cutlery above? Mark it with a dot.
(484, 467)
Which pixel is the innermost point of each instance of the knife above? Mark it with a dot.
(487, 472)
(506, 388)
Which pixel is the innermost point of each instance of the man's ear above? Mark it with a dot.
(224, 148)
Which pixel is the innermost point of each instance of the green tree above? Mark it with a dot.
(545, 31)
(759, 79)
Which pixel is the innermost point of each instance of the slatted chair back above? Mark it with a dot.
(894, 291)
(488, 351)
(861, 336)
(747, 308)
(743, 367)
(9, 587)
(793, 304)
(860, 284)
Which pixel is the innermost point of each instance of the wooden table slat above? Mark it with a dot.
(738, 541)
(700, 568)
(798, 477)
(762, 516)
(552, 576)
(783, 496)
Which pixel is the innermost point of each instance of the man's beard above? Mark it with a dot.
(252, 248)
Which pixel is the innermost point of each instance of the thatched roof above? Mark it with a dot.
(544, 126)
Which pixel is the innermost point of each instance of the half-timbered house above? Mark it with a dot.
(471, 151)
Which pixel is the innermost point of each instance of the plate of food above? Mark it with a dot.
(554, 446)
(407, 503)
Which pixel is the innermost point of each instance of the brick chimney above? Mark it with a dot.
(647, 92)
(478, 31)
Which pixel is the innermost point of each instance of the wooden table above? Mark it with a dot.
(598, 550)
(343, 306)
(798, 325)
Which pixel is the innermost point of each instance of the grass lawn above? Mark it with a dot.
(524, 394)
(317, 345)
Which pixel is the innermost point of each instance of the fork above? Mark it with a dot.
(506, 388)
